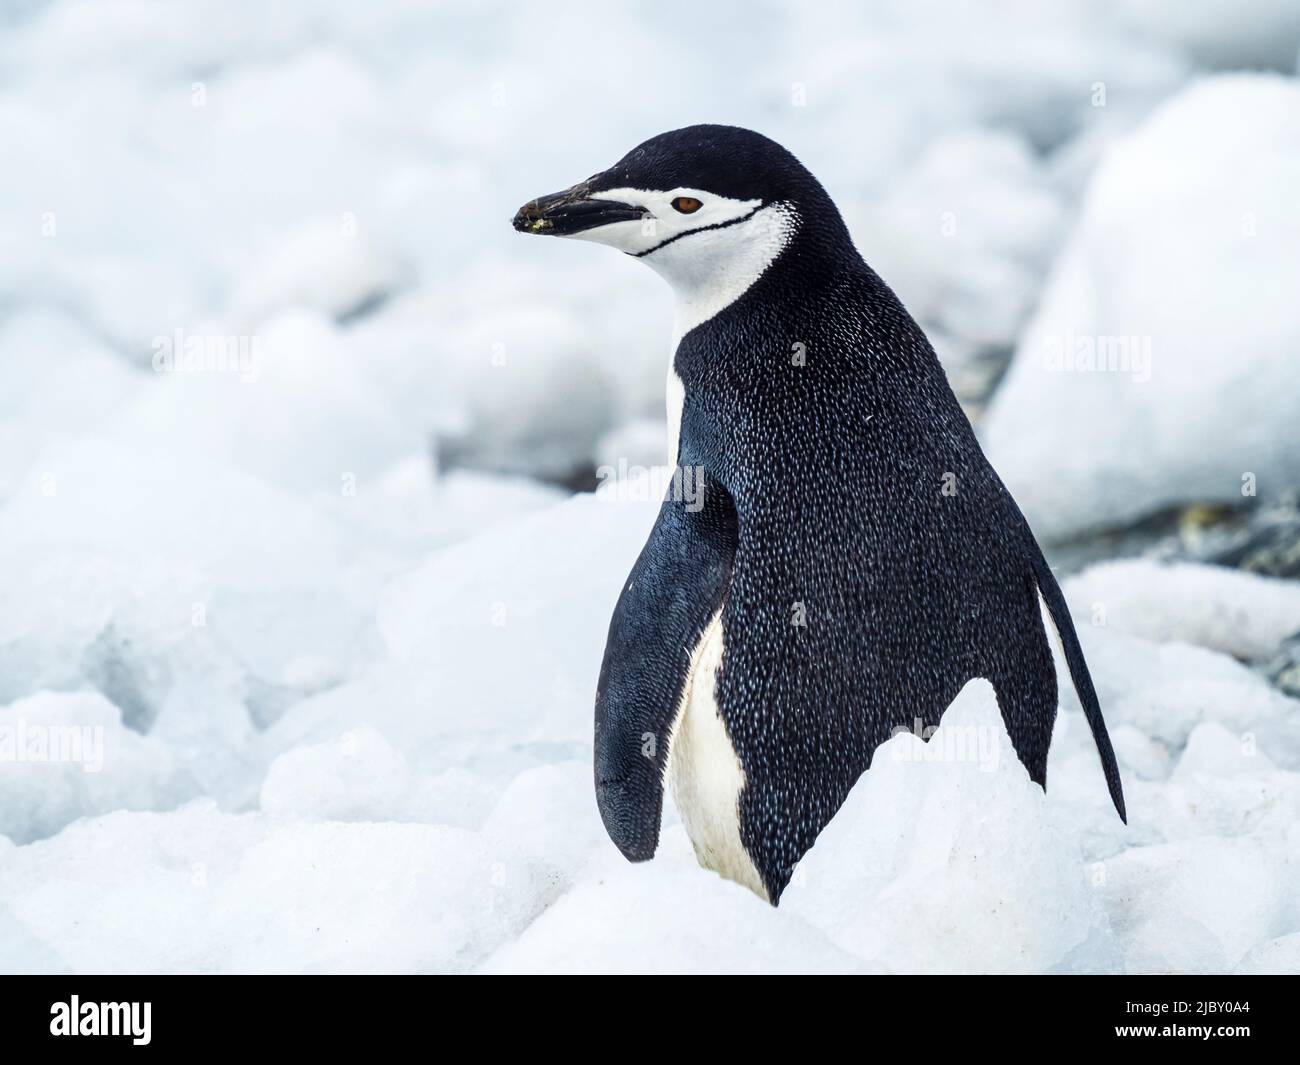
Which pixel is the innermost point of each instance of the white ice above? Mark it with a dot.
(298, 653)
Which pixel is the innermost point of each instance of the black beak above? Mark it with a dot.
(572, 211)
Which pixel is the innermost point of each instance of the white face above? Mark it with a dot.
(710, 248)
(673, 215)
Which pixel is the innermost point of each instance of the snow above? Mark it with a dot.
(218, 885)
(1169, 320)
(632, 920)
(1196, 906)
(1165, 689)
(435, 813)
(1263, 34)
(971, 269)
(1238, 613)
(302, 621)
(1277, 957)
(360, 776)
(957, 818)
(326, 265)
(67, 755)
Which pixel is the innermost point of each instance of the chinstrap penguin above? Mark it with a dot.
(855, 561)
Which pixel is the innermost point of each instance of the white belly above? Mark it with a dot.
(704, 771)
(675, 398)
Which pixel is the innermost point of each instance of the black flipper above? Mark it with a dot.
(1051, 592)
(674, 589)
(1025, 684)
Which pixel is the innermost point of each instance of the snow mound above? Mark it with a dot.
(1277, 957)
(1263, 33)
(526, 595)
(1196, 906)
(253, 893)
(1241, 614)
(1165, 689)
(297, 405)
(434, 811)
(280, 384)
(159, 581)
(1169, 320)
(68, 755)
(630, 919)
(947, 858)
(549, 814)
(965, 235)
(326, 265)
(361, 777)
(58, 380)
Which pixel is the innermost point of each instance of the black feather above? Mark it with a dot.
(854, 498)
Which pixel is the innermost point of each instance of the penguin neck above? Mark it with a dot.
(711, 270)
(707, 278)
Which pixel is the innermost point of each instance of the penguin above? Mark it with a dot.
(848, 560)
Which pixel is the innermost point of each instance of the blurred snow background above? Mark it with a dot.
(334, 618)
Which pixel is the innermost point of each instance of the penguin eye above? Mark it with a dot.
(686, 204)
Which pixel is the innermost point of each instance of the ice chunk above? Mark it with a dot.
(22, 953)
(947, 858)
(966, 234)
(669, 917)
(1264, 33)
(65, 755)
(1276, 957)
(328, 265)
(221, 892)
(1195, 906)
(550, 813)
(1241, 614)
(1169, 320)
(359, 776)
(537, 595)
(1213, 750)
(1147, 758)
(58, 380)
(294, 404)
(1165, 690)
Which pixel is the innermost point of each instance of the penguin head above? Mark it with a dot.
(696, 204)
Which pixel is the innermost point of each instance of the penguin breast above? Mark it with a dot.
(705, 771)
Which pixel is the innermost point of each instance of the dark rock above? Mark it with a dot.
(1284, 668)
